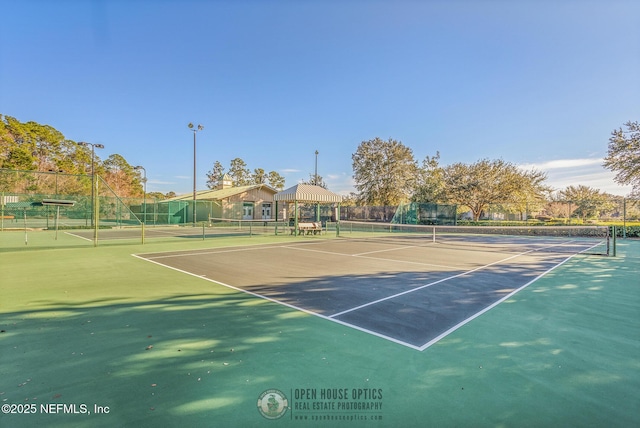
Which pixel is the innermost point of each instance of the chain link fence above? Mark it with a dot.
(22, 194)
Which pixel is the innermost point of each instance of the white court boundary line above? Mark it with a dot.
(360, 256)
(78, 236)
(356, 327)
(307, 311)
(393, 296)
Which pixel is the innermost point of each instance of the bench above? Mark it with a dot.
(308, 228)
(8, 217)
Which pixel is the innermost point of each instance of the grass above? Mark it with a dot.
(96, 326)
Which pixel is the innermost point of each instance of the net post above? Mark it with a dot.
(613, 241)
(433, 235)
(142, 234)
(203, 233)
(624, 218)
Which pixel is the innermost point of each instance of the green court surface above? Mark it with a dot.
(95, 337)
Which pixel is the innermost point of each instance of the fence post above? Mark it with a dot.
(95, 214)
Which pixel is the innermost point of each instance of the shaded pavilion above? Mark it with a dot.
(307, 193)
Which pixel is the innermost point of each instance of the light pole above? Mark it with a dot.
(94, 146)
(316, 174)
(194, 129)
(144, 180)
(315, 179)
(56, 171)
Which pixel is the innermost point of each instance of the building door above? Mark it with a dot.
(266, 211)
(247, 211)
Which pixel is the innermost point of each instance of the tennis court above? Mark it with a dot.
(163, 348)
(409, 289)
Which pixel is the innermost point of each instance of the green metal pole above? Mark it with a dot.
(26, 238)
(57, 219)
(96, 210)
(295, 216)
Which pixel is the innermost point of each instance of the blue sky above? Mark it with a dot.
(538, 83)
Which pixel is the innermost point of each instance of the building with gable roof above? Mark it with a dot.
(250, 202)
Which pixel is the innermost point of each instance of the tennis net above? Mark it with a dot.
(250, 227)
(566, 239)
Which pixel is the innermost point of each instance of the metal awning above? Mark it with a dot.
(307, 193)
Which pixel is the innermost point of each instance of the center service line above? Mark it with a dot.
(430, 284)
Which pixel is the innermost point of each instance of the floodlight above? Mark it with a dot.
(200, 128)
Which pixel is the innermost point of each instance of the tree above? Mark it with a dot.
(315, 180)
(275, 180)
(259, 176)
(488, 182)
(214, 176)
(350, 200)
(528, 192)
(156, 195)
(430, 181)
(122, 177)
(239, 172)
(623, 156)
(31, 146)
(588, 202)
(384, 172)
(241, 175)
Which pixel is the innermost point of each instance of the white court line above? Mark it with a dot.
(307, 311)
(356, 327)
(390, 249)
(493, 305)
(443, 280)
(427, 285)
(78, 236)
(169, 254)
(371, 258)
